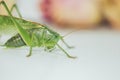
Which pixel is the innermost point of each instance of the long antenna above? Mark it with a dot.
(70, 33)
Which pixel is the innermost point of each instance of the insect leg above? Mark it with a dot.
(15, 7)
(30, 52)
(31, 46)
(23, 33)
(69, 56)
(68, 46)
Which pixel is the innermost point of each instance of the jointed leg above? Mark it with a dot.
(31, 46)
(68, 46)
(23, 33)
(30, 52)
(15, 7)
(69, 56)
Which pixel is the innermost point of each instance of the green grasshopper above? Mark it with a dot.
(27, 33)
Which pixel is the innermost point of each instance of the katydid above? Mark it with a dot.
(27, 33)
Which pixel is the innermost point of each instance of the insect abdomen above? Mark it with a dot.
(15, 41)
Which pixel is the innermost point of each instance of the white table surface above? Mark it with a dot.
(98, 55)
(98, 59)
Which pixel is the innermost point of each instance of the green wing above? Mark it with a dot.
(8, 30)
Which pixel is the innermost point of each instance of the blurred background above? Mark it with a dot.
(82, 14)
(97, 43)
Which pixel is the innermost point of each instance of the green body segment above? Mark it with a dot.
(42, 36)
(6, 23)
(22, 32)
(15, 41)
(8, 29)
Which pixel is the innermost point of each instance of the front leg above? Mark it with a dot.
(68, 46)
(69, 56)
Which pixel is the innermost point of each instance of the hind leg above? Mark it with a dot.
(16, 8)
(23, 33)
